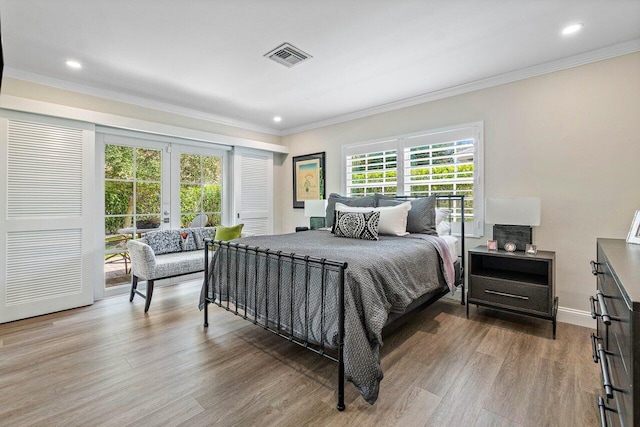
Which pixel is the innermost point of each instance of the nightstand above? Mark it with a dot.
(514, 281)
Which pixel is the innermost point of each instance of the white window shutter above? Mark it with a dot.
(253, 184)
(44, 223)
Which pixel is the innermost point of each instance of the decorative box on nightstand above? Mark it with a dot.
(514, 281)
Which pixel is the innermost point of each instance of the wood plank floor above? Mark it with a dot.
(110, 364)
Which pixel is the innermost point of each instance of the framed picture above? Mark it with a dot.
(308, 178)
(634, 232)
(492, 245)
(531, 249)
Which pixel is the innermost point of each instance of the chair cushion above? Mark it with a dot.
(177, 263)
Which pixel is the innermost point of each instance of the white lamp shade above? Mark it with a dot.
(513, 211)
(315, 207)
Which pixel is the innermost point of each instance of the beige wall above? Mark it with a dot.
(571, 137)
(53, 95)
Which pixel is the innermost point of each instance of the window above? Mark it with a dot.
(133, 193)
(200, 188)
(440, 162)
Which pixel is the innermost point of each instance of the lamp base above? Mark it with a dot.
(316, 222)
(521, 235)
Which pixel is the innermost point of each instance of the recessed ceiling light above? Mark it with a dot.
(74, 64)
(277, 119)
(571, 29)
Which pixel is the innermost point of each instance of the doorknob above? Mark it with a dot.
(166, 212)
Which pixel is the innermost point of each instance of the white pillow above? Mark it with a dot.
(393, 219)
(442, 226)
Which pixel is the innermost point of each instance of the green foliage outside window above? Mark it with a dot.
(133, 171)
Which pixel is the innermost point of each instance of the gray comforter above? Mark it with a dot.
(383, 276)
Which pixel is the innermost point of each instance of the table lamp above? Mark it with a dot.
(316, 210)
(513, 218)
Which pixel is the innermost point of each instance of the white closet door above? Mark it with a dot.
(45, 215)
(253, 188)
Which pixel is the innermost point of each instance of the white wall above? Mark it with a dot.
(571, 137)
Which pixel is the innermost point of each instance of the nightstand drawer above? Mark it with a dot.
(509, 294)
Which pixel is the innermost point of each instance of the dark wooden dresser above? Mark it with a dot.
(616, 346)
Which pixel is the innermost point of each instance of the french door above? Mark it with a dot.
(154, 183)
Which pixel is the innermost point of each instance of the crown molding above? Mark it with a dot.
(608, 52)
(107, 120)
(133, 100)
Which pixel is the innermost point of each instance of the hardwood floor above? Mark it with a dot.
(109, 364)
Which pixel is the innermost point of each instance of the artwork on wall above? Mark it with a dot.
(308, 178)
(634, 232)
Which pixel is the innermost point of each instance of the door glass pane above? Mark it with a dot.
(200, 188)
(190, 170)
(148, 165)
(212, 198)
(190, 198)
(118, 162)
(133, 204)
(148, 198)
(118, 198)
(212, 168)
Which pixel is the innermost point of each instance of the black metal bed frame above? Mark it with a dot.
(306, 262)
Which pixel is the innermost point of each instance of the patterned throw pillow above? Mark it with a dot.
(165, 241)
(188, 242)
(201, 233)
(357, 225)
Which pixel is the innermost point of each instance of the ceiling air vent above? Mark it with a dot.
(288, 55)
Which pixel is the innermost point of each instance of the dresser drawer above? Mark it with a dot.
(619, 331)
(622, 398)
(507, 294)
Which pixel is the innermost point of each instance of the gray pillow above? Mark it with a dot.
(422, 216)
(361, 202)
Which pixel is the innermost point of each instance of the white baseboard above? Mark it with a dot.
(576, 317)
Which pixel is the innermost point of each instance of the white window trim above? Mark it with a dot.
(397, 142)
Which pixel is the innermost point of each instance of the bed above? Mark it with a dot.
(331, 295)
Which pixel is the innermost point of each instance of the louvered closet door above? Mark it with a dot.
(45, 228)
(253, 184)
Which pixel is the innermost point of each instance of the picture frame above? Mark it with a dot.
(308, 178)
(531, 249)
(492, 245)
(634, 231)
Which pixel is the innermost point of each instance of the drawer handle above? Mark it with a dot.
(604, 313)
(594, 268)
(604, 365)
(594, 352)
(602, 408)
(504, 294)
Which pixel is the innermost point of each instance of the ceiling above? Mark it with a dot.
(205, 58)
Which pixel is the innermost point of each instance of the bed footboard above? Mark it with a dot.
(252, 303)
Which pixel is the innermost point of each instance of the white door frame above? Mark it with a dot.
(171, 149)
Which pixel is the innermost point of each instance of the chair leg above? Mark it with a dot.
(149, 295)
(134, 286)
